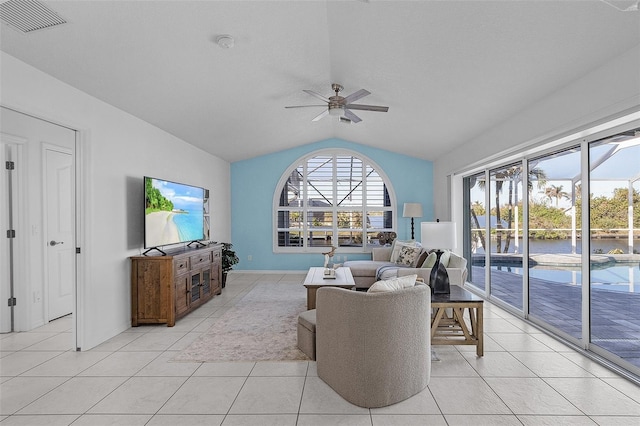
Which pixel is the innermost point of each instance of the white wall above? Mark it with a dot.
(116, 151)
(599, 94)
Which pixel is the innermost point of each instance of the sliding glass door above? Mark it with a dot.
(555, 282)
(476, 236)
(556, 237)
(506, 230)
(614, 206)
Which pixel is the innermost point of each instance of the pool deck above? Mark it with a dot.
(615, 315)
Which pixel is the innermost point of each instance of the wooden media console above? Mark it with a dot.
(165, 288)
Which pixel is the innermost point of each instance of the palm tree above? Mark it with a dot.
(478, 207)
(511, 175)
(556, 192)
(515, 174)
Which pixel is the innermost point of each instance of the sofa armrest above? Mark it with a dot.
(457, 276)
(381, 254)
(456, 261)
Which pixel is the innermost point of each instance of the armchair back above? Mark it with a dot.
(374, 349)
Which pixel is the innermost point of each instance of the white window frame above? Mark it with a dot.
(366, 162)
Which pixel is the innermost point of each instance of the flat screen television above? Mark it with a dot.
(173, 213)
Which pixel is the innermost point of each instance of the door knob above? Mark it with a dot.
(55, 243)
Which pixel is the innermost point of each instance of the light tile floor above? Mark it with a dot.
(525, 378)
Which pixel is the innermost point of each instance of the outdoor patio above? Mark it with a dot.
(615, 315)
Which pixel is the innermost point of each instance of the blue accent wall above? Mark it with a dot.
(254, 181)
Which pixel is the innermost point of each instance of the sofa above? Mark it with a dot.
(374, 349)
(382, 266)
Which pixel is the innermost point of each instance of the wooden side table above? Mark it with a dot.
(450, 328)
(316, 279)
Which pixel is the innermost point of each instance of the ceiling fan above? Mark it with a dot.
(341, 106)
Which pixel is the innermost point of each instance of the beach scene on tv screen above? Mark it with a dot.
(173, 213)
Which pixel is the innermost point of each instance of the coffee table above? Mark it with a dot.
(450, 328)
(316, 279)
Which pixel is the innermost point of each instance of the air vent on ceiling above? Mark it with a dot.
(29, 15)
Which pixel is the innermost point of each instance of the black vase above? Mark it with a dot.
(439, 279)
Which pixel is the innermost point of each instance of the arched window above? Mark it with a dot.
(332, 198)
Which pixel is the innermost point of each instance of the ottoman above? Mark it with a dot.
(307, 333)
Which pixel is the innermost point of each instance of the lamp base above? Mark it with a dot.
(439, 279)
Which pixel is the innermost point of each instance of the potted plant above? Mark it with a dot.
(229, 259)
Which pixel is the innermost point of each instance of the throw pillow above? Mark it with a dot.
(408, 256)
(393, 284)
(397, 247)
(421, 259)
(430, 260)
(444, 259)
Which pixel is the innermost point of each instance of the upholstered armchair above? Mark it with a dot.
(374, 349)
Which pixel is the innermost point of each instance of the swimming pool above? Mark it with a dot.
(623, 278)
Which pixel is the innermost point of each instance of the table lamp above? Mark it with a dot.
(438, 235)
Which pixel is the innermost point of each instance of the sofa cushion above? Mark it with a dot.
(408, 256)
(393, 284)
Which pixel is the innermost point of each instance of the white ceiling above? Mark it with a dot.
(447, 70)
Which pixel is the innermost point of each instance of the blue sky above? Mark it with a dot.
(561, 168)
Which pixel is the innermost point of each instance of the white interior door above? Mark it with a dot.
(43, 210)
(59, 216)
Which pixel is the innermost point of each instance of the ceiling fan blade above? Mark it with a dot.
(317, 95)
(368, 107)
(322, 114)
(351, 116)
(356, 95)
(305, 106)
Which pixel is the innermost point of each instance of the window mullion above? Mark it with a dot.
(334, 199)
(365, 202)
(305, 204)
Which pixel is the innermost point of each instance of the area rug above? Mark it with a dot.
(262, 326)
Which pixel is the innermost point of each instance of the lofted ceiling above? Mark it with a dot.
(447, 70)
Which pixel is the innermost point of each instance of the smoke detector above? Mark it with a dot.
(225, 41)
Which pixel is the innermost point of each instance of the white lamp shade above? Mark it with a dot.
(438, 235)
(412, 210)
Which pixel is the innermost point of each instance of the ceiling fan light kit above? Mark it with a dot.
(336, 110)
(340, 106)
